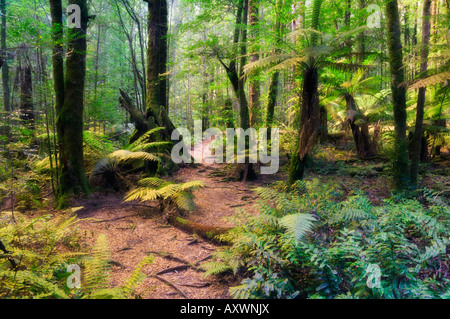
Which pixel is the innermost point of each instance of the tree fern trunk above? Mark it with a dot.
(309, 125)
(360, 132)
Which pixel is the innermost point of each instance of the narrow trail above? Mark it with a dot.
(134, 232)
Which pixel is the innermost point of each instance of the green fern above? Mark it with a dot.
(96, 272)
(167, 192)
(298, 225)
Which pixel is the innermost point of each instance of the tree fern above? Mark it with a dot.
(431, 80)
(167, 192)
(129, 156)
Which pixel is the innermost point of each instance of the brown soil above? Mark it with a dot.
(135, 231)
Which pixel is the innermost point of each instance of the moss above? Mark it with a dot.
(207, 232)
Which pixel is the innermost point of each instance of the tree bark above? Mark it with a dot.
(157, 56)
(73, 179)
(272, 101)
(310, 109)
(4, 60)
(58, 58)
(26, 96)
(309, 124)
(401, 172)
(418, 129)
(254, 90)
(360, 131)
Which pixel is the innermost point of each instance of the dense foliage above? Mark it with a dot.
(309, 243)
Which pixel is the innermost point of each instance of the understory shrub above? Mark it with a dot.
(310, 244)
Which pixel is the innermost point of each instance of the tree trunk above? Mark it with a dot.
(254, 90)
(360, 131)
(235, 75)
(309, 124)
(310, 109)
(361, 38)
(73, 179)
(418, 130)
(58, 59)
(401, 172)
(156, 110)
(323, 128)
(272, 101)
(4, 60)
(275, 79)
(157, 56)
(26, 96)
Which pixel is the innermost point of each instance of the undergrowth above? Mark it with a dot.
(309, 243)
(35, 255)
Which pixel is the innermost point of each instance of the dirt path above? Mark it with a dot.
(134, 232)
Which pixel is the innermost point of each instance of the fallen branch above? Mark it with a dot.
(199, 285)
(112, 220)
(171, 285)
(173, 269)
(170, 257)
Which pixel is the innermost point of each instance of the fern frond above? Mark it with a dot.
(344, 67)
(215, 268)
(302, 32)
(298, 225)
(153, 182)
(96, 273)
(193, 185)
(124, 155)
(137, 276)
(265, 63)
(146, 146)
(288, 63)
(184, 201)
(431, 80)
(142, 194)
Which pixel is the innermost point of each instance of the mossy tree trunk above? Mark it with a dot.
(26, 95)
(156, 104)
(416, 144)
(401, 172)
(156, 112)
(4, 59)
(69, 118)
(275, 78)
(254, 89)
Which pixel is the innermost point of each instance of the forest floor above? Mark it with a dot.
(136, 231)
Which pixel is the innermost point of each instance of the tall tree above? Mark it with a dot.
(254, 87)
(70, 102)
(309, 109)
(4, 59)
(156, 111)
(401, 173)
(26, 93)
(274, 80)
(418, 130)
